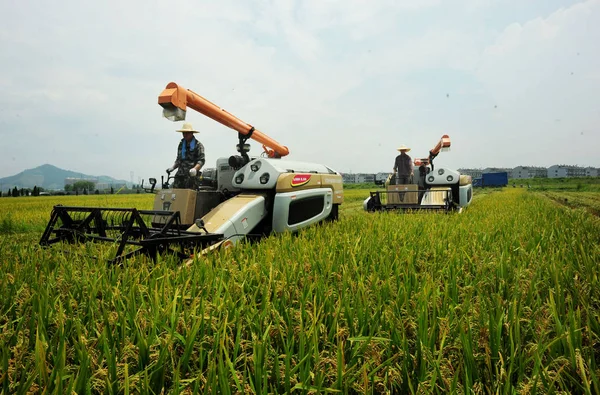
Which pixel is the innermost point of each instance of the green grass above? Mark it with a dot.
(502, 298)
(583, 200)
(575, 184)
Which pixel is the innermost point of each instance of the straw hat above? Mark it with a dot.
(403, 148)
(187, 127)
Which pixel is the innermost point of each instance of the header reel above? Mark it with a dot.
(132, 231)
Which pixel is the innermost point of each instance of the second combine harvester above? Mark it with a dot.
(432, 189)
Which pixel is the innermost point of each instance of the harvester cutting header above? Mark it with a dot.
(242, 197)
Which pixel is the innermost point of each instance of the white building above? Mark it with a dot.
(357, 178)
(592, 172)
(529, 172)
(558, 171)
(348, 178)
(365, 177)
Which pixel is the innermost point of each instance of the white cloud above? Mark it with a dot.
(543, 71)
(337, 82)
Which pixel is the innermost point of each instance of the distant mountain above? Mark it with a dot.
(49, 177)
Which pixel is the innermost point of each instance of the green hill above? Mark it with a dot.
(48, 177)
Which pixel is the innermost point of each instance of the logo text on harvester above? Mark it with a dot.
(300, 179)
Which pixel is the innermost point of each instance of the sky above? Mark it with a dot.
(341, 83)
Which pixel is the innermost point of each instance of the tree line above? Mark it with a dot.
(79, 187)
(83, 187)
(16, 192)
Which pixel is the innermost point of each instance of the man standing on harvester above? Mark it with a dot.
(403, 167)
(190, 159)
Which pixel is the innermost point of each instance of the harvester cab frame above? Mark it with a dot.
(243, 197)
(430, 190)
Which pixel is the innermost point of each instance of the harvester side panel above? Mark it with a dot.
(235, 217)
(301, 208)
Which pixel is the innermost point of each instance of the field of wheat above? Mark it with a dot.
(502, 298)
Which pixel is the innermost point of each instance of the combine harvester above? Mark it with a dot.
(241, 198)
(432, 189)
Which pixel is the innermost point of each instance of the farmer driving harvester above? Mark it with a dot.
(190, 159)
(403, 167)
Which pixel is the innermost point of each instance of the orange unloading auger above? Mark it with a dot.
(175, 99)
(442, 145)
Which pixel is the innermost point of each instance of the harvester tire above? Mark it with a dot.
(335, 212)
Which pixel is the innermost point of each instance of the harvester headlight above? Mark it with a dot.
(242, 148)
(264, 178)
(449, 178)
(239, 178)
(255, 166)
(441, 171)
(430, 178)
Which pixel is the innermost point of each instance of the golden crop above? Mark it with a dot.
(501, 298)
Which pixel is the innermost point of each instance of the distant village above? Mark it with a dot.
(519, 172)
